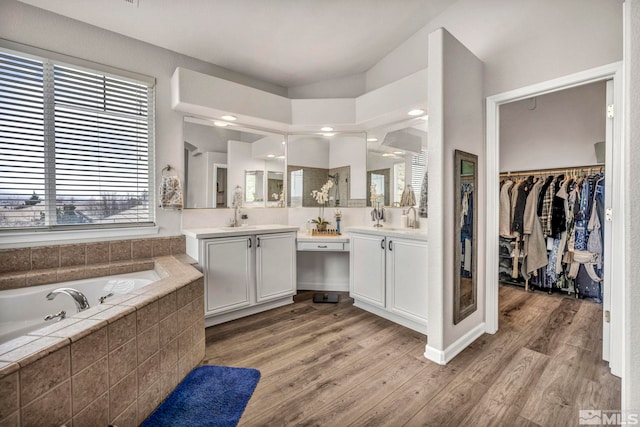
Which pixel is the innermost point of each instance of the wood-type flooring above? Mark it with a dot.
(337, 365)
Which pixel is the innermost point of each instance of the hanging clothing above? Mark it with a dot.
(505, 209)
(517, 225)
(535, 246)
(547, 211)
(558, 215)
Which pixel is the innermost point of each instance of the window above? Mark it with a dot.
(418, 169)
(398, 181)
(74, 146)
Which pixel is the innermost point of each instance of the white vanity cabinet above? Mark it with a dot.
(246, 271)
(275, 266)
(388, 275)
(227, 273)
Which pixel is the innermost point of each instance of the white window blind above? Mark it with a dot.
(418, 169)
(74, 146)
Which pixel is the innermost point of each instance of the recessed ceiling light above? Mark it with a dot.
(271, 155)
(326, 129)
(328, 134)
(425, 117)
(387, 155)
(280, 157)
(372, 139)
(220, 124)
(398, 152)
(229, 117)
(283, 142)
(415, 112)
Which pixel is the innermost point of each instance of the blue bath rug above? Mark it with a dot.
(211, 396)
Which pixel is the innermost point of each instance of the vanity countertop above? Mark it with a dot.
(407, 233)
(306, 237)
(212, 232)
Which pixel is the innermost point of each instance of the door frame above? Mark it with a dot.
(614, 175)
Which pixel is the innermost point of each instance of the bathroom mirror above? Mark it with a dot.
(465, 235)
(396, 158)
(315, 159)
(217, 159)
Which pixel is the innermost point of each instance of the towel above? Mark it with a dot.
(170, 192)
(424, 197)
(408, 197)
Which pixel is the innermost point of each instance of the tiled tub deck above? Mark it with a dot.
(111, 364)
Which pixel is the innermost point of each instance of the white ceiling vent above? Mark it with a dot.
(134, 3)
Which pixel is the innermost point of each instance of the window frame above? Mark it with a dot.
(13, 237)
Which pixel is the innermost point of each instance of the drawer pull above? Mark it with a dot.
(322, 246)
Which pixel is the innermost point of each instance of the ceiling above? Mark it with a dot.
(284, 42)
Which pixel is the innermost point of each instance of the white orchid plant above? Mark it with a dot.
(374, 194)
(322, 197)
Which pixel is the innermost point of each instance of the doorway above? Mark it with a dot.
(614, 228)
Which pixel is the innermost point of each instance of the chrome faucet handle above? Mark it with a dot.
(61, 315)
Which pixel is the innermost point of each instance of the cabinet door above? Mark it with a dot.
(275, 265)
(367, 268)
(227, 273)
(407, 278)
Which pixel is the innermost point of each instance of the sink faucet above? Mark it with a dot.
(414, 222)
(78, 297)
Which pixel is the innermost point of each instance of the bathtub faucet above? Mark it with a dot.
(78, 297)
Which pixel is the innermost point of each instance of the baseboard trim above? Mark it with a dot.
(442, 357)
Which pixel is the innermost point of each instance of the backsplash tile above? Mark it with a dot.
(97, 253)
(120, 250)
(52, 264)
(142, 248)
(15, 260)
(161, 246)
(45, 257)
(73, 255)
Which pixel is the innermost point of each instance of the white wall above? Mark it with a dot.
(520, 42)
(455, 122)
(553, 130)
(631, 378)
(35, 27)
(308, 151)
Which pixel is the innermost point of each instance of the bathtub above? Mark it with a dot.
(23, 310)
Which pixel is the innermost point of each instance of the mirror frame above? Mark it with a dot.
(460, 312)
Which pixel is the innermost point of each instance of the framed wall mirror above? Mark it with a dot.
(217, 159)
(314, 159)
(396, 162)
(465, 227)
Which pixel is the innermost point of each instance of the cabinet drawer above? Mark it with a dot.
(320, 246)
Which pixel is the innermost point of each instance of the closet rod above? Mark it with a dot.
(555, 171)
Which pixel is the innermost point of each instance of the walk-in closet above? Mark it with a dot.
(552, 219)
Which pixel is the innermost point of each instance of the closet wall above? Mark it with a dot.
(554, 130)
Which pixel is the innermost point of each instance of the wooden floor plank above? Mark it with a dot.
(335, 365)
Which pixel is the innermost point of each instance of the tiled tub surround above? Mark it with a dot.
(113, 363)
(23, 310)
(41, 265)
